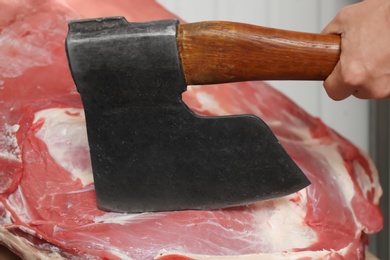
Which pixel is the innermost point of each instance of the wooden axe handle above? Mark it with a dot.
(219, 52)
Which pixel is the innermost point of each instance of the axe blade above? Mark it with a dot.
(149, 151)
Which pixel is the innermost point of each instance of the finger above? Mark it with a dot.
(335, 86)
(334, 27)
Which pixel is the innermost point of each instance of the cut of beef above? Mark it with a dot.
(47, 202)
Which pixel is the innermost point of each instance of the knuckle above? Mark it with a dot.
(353, 75)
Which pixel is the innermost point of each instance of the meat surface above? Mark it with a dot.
(47, 202)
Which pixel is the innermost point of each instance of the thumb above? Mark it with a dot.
(334, 27)
(335, 86)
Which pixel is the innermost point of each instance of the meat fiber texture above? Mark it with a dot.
(47, 204)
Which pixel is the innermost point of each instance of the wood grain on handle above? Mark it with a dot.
(219, 52)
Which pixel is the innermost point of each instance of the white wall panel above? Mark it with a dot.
(349, 117)
(247, 11)
(298, 15)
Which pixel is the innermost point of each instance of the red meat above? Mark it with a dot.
(47, 200)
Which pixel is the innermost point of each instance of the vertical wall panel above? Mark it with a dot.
(170, 5)
(349, 117)
(247, 11)
(380, 151)
(191, 10)
(299, 16)
(198, 10)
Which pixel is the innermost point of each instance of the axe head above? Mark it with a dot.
(149, 151)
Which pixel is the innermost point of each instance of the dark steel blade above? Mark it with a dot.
(149, 151)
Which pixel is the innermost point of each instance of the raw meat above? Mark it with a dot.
(47, 202)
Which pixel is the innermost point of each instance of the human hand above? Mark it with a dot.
(364, 66)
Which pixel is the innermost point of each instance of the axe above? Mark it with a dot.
(149, 151)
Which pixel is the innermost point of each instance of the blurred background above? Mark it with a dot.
(365, 123)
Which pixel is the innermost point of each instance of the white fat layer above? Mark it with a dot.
(337, 170)
(33, 54)
(339, 174)
(334, 160)
(6, 219)
(65, 135)
(18, 204)
(286, 215)
(27, 230)
(208, 103)
(98, 244)
(9, 148)
(124, 219)
(115, 218)
(25, 249)
(323, 255)
(313, 255)
(365, 183)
